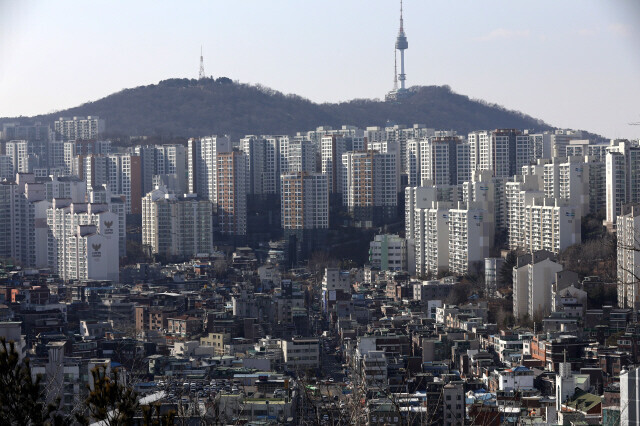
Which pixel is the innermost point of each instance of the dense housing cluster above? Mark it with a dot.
(385, 275)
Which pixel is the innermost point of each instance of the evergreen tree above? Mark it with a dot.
(110, 401)
(21, 396)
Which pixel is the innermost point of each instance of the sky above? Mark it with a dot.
(572, 63)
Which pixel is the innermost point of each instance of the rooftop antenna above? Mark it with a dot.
(201, 74)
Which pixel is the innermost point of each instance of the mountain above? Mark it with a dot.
(185, 108)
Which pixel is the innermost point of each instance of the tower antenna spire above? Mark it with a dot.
(201, 74)
(401, 20)
(395, 70)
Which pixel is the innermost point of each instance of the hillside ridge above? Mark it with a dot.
(180, 108)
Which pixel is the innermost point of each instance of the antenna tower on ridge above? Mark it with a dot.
(201, 74)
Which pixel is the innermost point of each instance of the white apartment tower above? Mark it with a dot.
(297, 155)
(533, 277)
(441, 158)
(628, 270)
(177, 225)
(568, 179)
(469, 238)
(332, 149)
(18, 151)
(413, 163)
(122, 173)
(23, 216)
(478, 149)
(273, 163)
(503, 151)
(83, 241)
(102, 195)
(431, 238)
(169, 162)
(255, 148)
(519, 192)
(70, 129)
(622, 178)
(202, 164)
(550, 225)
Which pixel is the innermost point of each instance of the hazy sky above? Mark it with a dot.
(572, 63)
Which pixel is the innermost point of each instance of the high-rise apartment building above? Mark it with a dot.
(414, 162)
(304, 201)
(177, 225)
(431, 238)
(469, 238)
(202, 164)
(541, 145)
(8, 197)
(6, 168)
(503, 151)
(568, 179)
(18, 152)
(70, 129)
(231, 190)
(560, 140)
(629, 396)
(65, 187)
(255, 148)
(265, 157)
(28, 221)
(297, 155)
(24, 212)
(332, 149)
(550, 225)
(83, 241)
(628, 252)
(597, 185)
(116, 204)
(616, 184)
(370, 186)
(36, 132)
(273, 163)
(539, 223)
(488, 193)
(622, 178)
(533, 276)
(55, 155)
(166, 163)
(305, 209)
(519, 192)
(388, 253)
(122, 173)
(441, 158)
(76, 151)
(478, 148)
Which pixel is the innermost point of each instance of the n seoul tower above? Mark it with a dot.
(401, 45)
